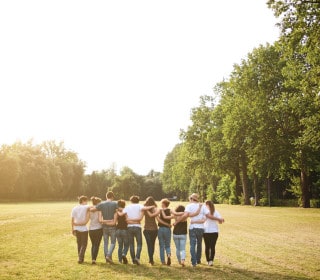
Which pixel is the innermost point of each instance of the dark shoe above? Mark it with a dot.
(94, 262)
(151, 262)
(169, 261)
(137, 261)
(124, 260)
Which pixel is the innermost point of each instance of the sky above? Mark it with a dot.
(116, 80)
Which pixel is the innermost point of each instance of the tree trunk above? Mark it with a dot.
(305, 189)
(245, 181)
(256, 190)
(238, 182)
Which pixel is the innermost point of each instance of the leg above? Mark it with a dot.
(206, 237)
(167, 244)
(105, 241)
(131, 242)
(161, 244)
(199, 234)
(176, 239)
(112, 232)
(83, 236)
(193, 241)
(214, 241)
(120, 244)
(139, 242)
(183, 240)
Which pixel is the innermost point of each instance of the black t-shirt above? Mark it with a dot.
(168, 213)
(180, 228)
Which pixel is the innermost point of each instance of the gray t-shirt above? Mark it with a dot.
(107, 208)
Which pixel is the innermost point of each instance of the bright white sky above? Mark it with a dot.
(116, 80)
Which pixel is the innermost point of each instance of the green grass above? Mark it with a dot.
(254, 243)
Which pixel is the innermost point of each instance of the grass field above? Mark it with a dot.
(254, 243)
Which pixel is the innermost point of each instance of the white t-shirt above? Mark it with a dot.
(79, 214)
(192, 208)
(133, 212)
(94, 221)
(212, 225)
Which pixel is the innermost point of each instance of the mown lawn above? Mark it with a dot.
(254, 243)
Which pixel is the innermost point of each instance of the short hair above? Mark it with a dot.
(180, 208)
(110, 194)
(165, 201)
(135, 199)
(121, 203)
(82, 198)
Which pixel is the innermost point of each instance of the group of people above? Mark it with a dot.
(116, 221)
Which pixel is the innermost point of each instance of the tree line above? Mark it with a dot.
(257, 138)
(48, 170)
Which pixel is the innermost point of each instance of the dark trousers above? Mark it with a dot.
(210, 240)
(150, 236)
(95, 237)
(82, 241)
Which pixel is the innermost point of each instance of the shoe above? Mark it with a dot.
(198, 262)
(80, 261)
(182, 263)
(210, 263)
(137, 261)
(93, 262)
(109, 260)
(169, 261)
(124, 260)
(151, 262)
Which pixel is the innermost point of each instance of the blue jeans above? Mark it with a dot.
(123, 243)
(109, 231)
(150, 236)
(95, 237)
(180, 242)
(135, 233)
(195, 236)
(164, 236)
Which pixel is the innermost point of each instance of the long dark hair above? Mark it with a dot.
(150, 201)
(211, 206)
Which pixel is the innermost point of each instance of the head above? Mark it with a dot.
(165, 203)
(210, 206)
(150, 202)
(194, 198)
(83, 199)
(121, 203)
(134, 199)
(110, 195)
(95, 200)
(179, 208)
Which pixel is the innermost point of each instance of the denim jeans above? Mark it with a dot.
(135, 233)
(109, 231)
(150, 236)
(210, 240)
(180, 242)
(195, 236)
(95, 237)
(123, 243)
(164, 236)
(82, 241)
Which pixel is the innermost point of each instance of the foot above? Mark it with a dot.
(151, 262)
(124, 260)
(137, 261)
(169, 260)
(94, 262)
(80, 261)
(210, 263)
(109, 260)
(182, 263)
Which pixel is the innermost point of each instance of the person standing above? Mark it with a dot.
(134, 212)
(122, 234)
(196, 228)
(79, 219)
(180, 235)
(108, 209)
(164, 232)
(150, 231)
(95, 230)
(211, 232)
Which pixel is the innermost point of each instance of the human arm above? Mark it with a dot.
(83, 223)
(181, 218)
(108, 222)
(72, 224)
(200, 221)
(135, 221)
(162, 222)
(193, 214)
(218, 219)
(153, 214)
(166, 216)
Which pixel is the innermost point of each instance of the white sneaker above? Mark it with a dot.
(210, 263)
